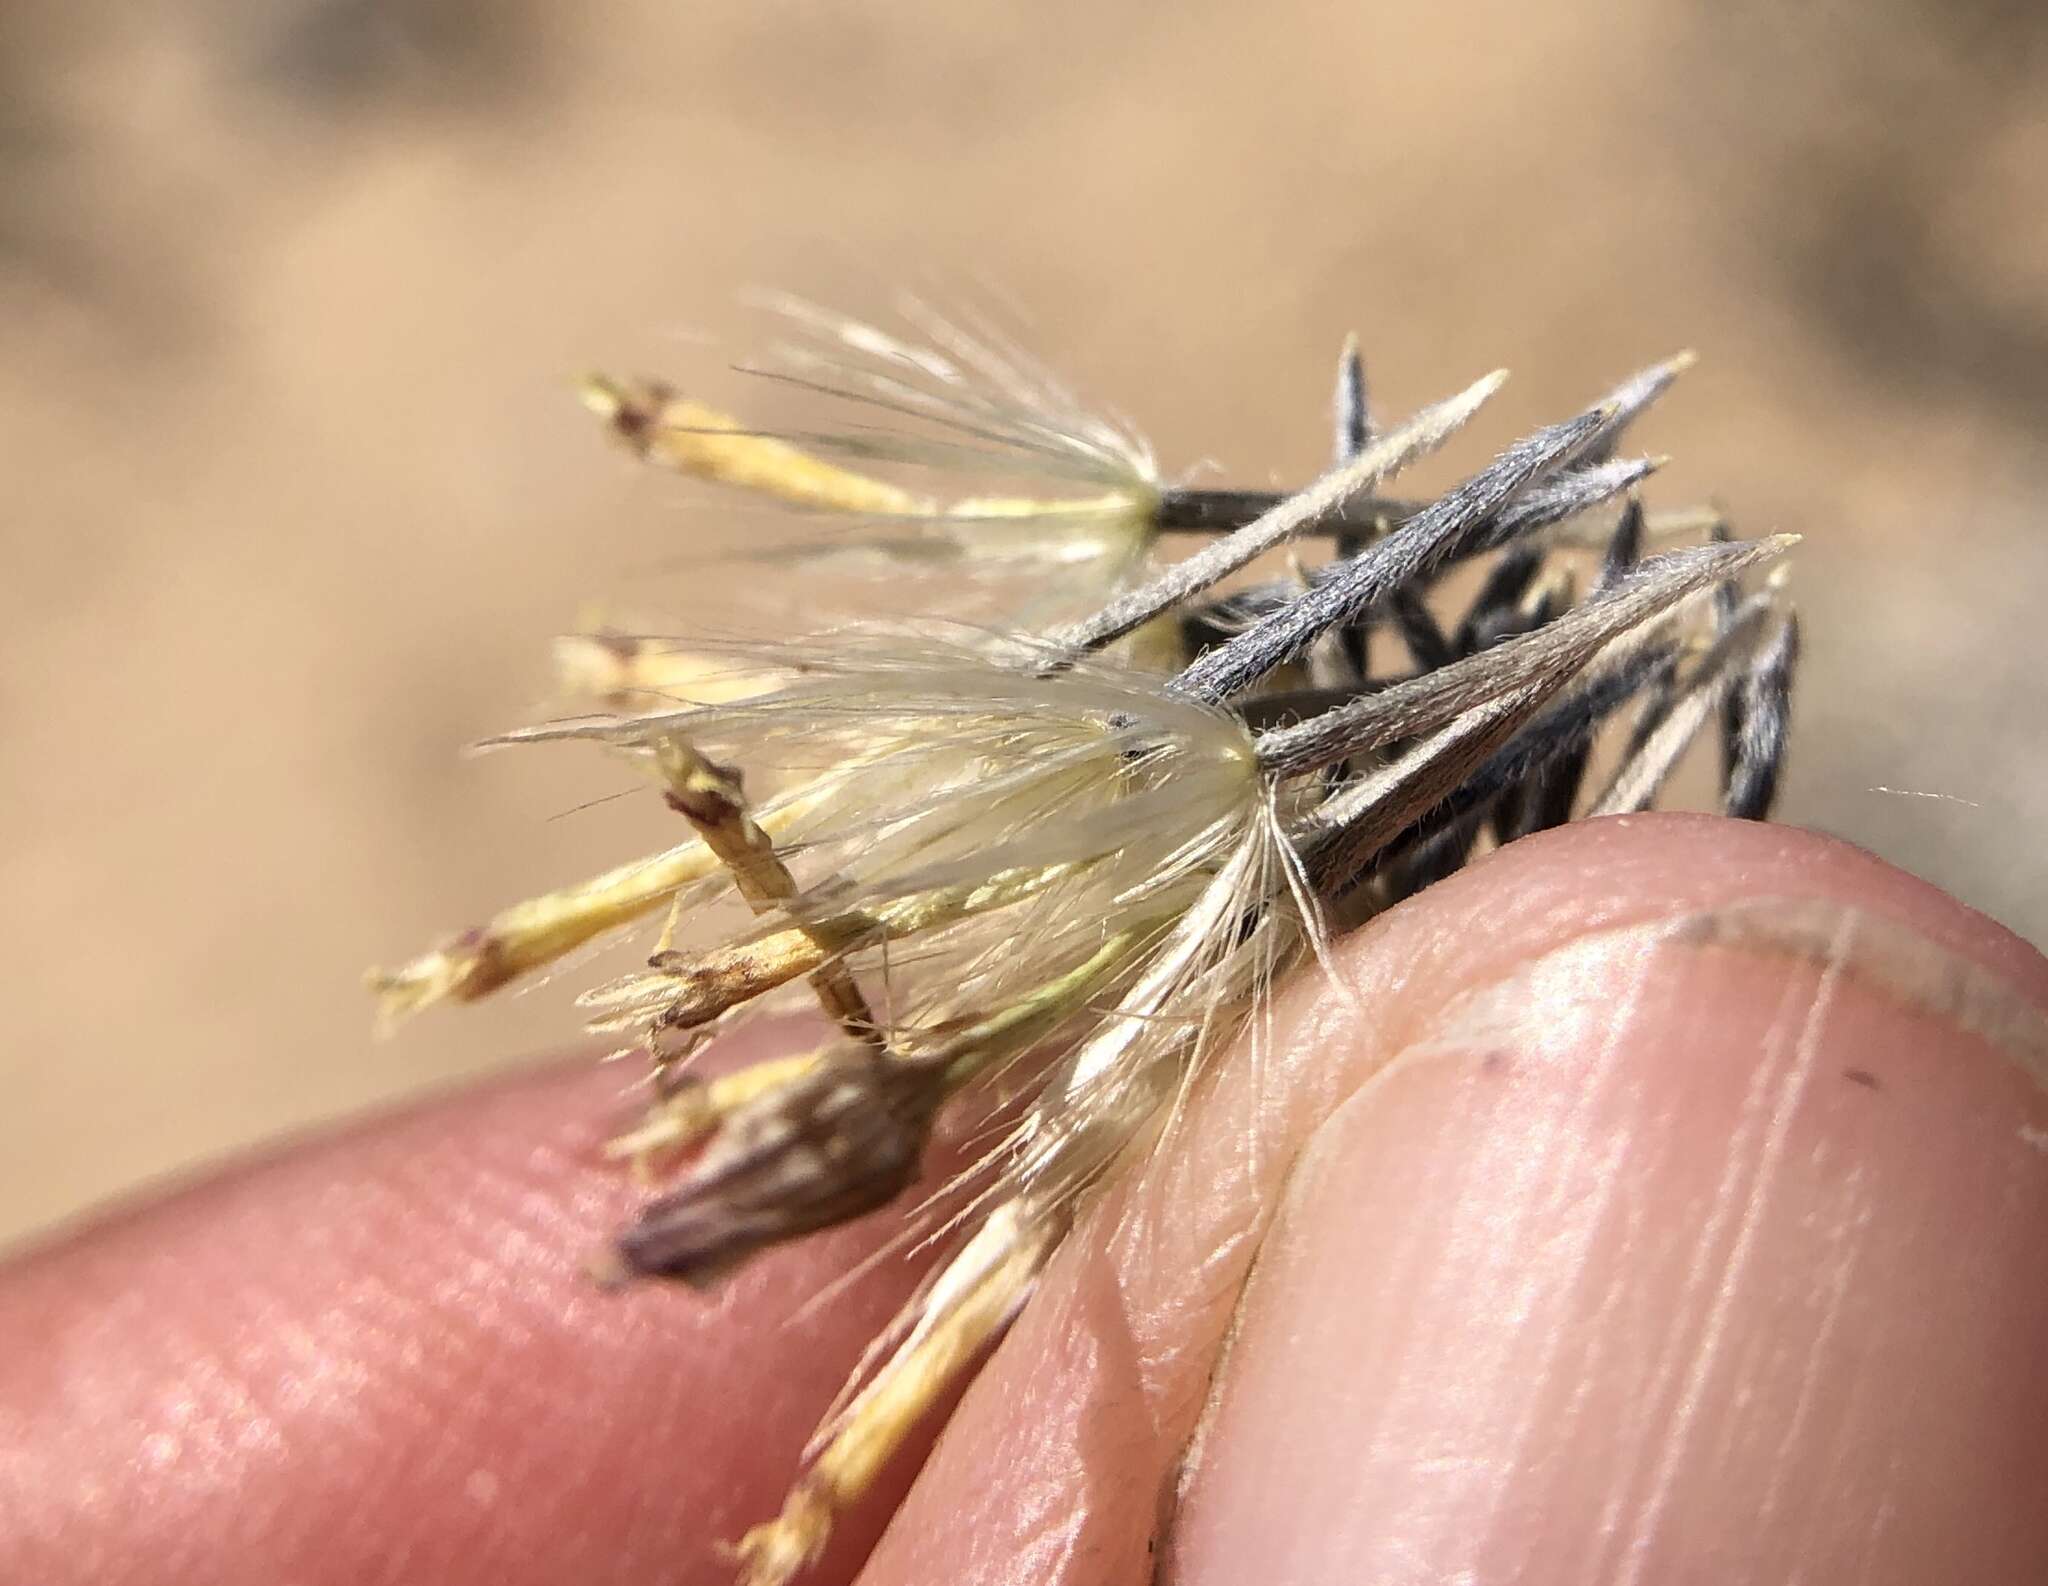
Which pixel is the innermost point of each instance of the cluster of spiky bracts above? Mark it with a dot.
(1051, 861)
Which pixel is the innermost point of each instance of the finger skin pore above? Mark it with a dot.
(1428, 1296)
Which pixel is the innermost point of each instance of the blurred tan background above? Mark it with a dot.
(291, 294)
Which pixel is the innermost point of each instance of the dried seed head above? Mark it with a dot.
(975, 844)
(1078, 523)
(1004, 817)
(688, 1109)
(957, 1314)
(628, 671)
(831, 1143)
(527, 935)
(661, 427)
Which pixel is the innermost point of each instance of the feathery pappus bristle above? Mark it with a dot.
(1034, 488)
(1063, 856)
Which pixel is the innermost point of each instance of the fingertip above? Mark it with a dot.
(1695, 1243)
(1587, 876)
(1476, 1285)
(381, 1344)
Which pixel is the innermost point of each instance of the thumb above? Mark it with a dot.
(1663, 1204)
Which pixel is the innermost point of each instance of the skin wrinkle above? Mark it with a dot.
(1631, 871)
(1703, 1273)
(1839, 1276)
(1051, 1539)
(1472, 1238)
(1572, 1259)
(1502, 1250)
(1188, 1463)
(1774, 1099)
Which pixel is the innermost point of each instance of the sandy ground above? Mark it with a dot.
(292, 296)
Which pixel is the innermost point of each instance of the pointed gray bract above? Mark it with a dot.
(1359, 584)
(1757, 756)
(1183, 580)
(1351, 408)
(1554, 651)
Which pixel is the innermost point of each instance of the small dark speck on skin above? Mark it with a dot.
(1494, 1061)
(1863, 1077)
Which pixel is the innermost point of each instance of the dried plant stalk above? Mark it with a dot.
(708, 796)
